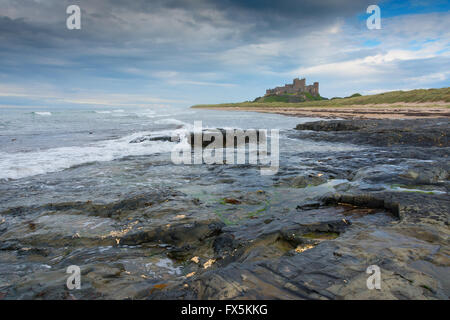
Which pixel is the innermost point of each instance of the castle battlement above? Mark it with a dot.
(298, 86)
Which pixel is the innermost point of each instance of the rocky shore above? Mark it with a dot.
(310, 234)
(321, 249)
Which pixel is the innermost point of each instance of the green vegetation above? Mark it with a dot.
(229, 217)
(289, 98)
(283, 98)
(355, 95)
(409, 188)
(426, 287)
(257, 212)
(321, 235)
(431, 96)
(310, 97)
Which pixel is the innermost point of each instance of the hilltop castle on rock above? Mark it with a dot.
(298, 86)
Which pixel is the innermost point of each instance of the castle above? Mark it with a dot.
(297, 86)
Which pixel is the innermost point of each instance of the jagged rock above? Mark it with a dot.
(417, 132)
(303, 181)
(176, 235)
(224, 244)
(426, 174)
(231, 201)
(330, 126)
(207, 140)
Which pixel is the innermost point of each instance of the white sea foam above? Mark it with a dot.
(25, 164)
(167, 264)
(147, 115)
(170, 121)
(42, 113)
(154, 114)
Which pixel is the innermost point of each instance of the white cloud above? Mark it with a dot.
(53, 96)
(175, 78)
(430, 78)
(203, 46)
(176, 82)
(370, 65)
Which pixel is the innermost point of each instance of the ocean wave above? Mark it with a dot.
(157, 114)
(42, 113)
(117, 111)
(25, 164)
(170, 121)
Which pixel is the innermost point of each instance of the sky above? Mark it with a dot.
(157, 53)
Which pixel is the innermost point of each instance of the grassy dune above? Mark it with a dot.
(430, 97)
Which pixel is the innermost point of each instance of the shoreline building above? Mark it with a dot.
(297, 86)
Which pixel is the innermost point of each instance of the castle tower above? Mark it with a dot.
(299, 84)
(316, 88)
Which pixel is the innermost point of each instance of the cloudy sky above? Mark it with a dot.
(184, 52)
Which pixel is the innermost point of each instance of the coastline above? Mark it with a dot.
(388, 208)
(381, 111)
(349, 194)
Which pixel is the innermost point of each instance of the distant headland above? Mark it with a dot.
(297, 100)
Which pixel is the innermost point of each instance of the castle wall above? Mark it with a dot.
(297, 86)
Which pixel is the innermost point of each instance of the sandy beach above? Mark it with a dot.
(379, 111)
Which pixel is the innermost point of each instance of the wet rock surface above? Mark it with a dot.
(208, 137)
(418, 132)
(225, 232)
(225, 137)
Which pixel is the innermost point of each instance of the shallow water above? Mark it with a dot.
(61, 155)
(74, 190)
